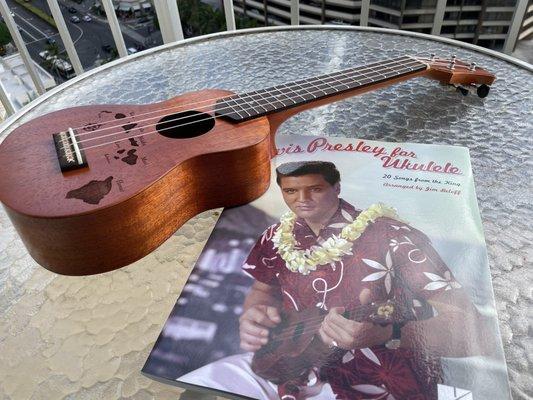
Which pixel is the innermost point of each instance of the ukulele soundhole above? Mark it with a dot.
(183, 125)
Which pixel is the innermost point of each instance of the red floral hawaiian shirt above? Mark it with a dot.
(387, 252)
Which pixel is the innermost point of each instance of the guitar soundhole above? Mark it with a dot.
(183, 125)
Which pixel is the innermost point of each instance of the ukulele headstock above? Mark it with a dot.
(465, 76)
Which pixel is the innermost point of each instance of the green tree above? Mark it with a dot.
(198, 18)
(5, 37)
(245, 22)
(53, 49)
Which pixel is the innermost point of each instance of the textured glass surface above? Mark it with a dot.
(88, 337)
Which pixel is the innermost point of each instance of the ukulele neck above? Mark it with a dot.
(311, 92)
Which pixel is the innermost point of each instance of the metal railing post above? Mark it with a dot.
(6, 101)
(438, 17)
(295, 12)
(65, 36)
(169, 20)
(17, 38)
(115, 28)
(230, 15)
(365, 10)
(514, 29)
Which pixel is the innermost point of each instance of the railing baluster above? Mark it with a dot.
(65, 36)
(17, 38)
(6, 101)
(514, 29)
(115, 28)
(365, 10)
(295, 12)
(438, 17)
(169, 20)
(230, 15)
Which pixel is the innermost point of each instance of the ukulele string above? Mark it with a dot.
(355, 314)
(180, 125)
(446, 64)
(370, 66)
(164, 129)
(316, 323)
(342, 81)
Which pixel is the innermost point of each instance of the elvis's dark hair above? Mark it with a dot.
(298, 168)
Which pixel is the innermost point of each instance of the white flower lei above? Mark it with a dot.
(333, 249)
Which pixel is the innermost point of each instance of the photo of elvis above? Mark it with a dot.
(327, 254)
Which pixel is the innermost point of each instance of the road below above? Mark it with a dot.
(88, 37)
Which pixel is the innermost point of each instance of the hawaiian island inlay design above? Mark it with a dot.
(93, 192)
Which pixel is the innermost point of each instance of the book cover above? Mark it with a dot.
(362, 273)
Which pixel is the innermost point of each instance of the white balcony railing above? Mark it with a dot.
(171, 30)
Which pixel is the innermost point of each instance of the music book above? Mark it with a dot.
(362, 273)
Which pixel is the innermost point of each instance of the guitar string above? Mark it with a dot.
(355, 314)
(273, 97)
(349, 79)
(284, 335)
(251, 94)
(188, 123)
(370, 66)
(162, 129)
(358, 313)
(158, 131)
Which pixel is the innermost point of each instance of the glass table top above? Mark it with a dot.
(88, 337)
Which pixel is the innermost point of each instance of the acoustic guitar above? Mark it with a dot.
(94, 188)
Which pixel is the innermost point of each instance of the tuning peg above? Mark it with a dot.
(461, 89)
(483, 91)
(472, 66)
(451, 65)
(432, 56)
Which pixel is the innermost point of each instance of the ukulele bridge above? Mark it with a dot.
(69, 152)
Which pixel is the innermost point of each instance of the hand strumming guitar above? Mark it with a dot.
(347, 334)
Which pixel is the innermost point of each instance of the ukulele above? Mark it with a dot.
(93, 188)
(294, 345)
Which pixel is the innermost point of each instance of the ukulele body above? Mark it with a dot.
(293, 346)
(134, 193)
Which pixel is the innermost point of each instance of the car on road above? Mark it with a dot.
(63, 67)
(46, 55)
(72, 10)
(74, 19)
(87, 18)
(132, 50)
(50, 40)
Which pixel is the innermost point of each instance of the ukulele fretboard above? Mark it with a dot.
(242, 107)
